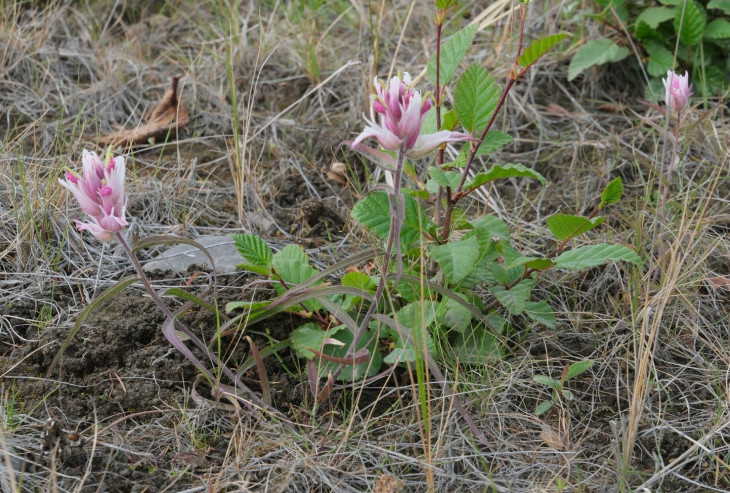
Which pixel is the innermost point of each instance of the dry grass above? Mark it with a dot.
(273, 89)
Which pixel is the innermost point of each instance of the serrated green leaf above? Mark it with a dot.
(253, 249)
(445, 4)
(493, 225)
(257, 269)
(292, 265)
(514, 300)
(539, 263)
(718, 29)
(548, 382)
(358, 280)
(540, 47)
(311, 336)
(660, 58)
(613, 192)
(493, 141)
(444, 178)
(542, 313)
(543, 407)
(597, 52)
(723, 5)
(373, 212)
(653, 16)
(454, 315)
(477, 346)
(452, 52)
(564, 226)
(509, 170)
(692, 22)
(475, 98)
(592, 255)
(456, 258)
(414, 318)
(449, 120)
(577, 368)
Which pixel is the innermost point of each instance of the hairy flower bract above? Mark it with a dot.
(678, 90)
(401, 111)
(100, 193)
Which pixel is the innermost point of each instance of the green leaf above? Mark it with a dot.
(723, 5)
(475, 98)
(613, 192)
(577, 368)
(442, 178)
(509, 170)
(660, 58)
(414, 318)
(564, 226)
(653, 16)
(493, 225)
(597, 52)
(454, 315)
(445, 4)
(718, 29)
(692, 25)
(567, 394)
(514, 300)
(449, 120)
(358, 280)
(592, 255)
(452, 52)
(373, 212)
(542, 313)
(543, 407)
(292, 265)
(477, 346)
(311, 336)
(456, 258)
(548, 382)
(493, 141)
(254, 250)
(538, 48)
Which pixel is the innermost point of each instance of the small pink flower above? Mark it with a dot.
(401, 111)
(100, 193)
(678, 90)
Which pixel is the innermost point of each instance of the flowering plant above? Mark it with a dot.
(100, 193)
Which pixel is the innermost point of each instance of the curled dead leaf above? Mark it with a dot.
(168, 114)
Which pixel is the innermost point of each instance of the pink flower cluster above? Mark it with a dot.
(678, 90)
(401, 111)
(100, 193)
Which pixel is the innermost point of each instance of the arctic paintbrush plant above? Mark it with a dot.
(99, 190)
(401, 110)
(451, 276)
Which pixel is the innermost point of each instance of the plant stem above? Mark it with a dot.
(396, 222)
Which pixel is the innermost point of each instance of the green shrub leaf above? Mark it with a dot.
(592, 255)
(564, 226)
(476, 97)
(543, 407)
(660, 58)
(613, 192)
(493, 141)
(597, 52)
(577, 368)
(452, 52)
(548, 382)
(718, 29)
(373, 212)
(653, 16)
(515, 299)
(456, 258)
(509, 170)
(692, 25)
(253, 249)
(538, 48)
(723, 5)
(292, 265)
(542, 313)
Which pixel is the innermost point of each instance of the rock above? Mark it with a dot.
(180, 258)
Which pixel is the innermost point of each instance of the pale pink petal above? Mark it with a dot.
(428, 142)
